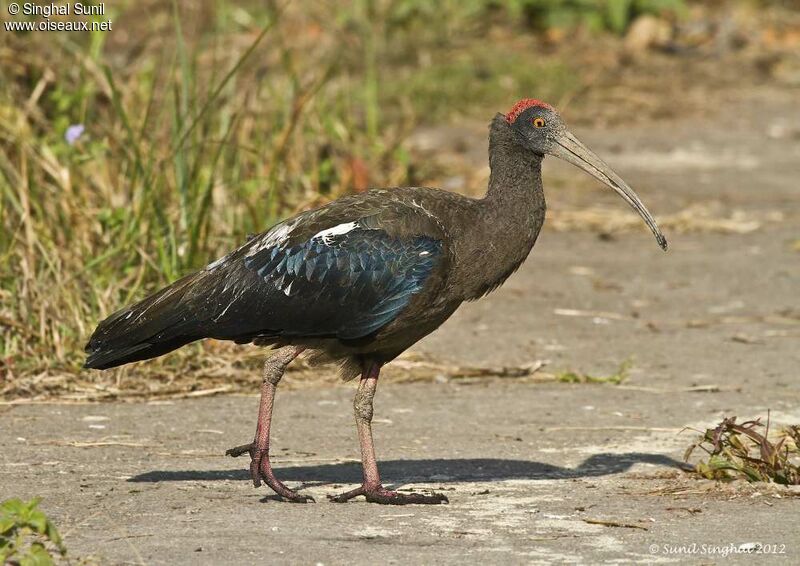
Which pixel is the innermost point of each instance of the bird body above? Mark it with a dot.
(365, 276)
(362, 278)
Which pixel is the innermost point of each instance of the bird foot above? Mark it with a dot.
(261, 469)
(379, 494)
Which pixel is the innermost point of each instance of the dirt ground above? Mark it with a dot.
(535, 473)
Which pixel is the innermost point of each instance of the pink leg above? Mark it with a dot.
(260, 467)
(372, 489)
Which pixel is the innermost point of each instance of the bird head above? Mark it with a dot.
(540, 130)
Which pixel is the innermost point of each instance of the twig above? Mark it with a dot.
(639, 428)
(593, 314)
(694, 389)
(129, 536)
(81, 444)
(201, 392)
(614, 524)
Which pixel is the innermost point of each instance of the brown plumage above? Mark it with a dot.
(363, 278)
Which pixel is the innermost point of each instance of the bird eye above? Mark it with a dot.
(538, 122)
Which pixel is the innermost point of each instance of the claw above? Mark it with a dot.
(261, 469)
(297, 498)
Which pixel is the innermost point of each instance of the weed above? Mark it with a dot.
(27, 535)
(615, 378)
(743, 451)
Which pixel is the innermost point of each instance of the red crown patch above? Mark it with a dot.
(523, 105)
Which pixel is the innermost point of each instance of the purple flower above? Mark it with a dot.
(73, 133)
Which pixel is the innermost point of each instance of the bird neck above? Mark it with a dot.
(516, 173)
(508, 218)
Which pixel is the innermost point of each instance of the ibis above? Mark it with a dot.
(361, 279)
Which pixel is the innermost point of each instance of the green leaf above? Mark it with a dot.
(13, 506)
(7, 524)
(37, 555)
(55, 537)
(753, 474)
(618, 14)
(37, 520)
(719, 462)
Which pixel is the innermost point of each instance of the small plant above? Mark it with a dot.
(615, 378)
(600, 15)
(27, 536)
(739, 451)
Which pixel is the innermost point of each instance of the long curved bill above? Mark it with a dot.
(569, 148)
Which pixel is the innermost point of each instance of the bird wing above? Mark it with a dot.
(340, 272)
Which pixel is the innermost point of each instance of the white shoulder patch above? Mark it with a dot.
(327, 235)
(274, 237)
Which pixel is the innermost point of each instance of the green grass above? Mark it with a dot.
(27, 536)
(206, 123)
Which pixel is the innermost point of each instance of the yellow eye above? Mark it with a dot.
(538, 122)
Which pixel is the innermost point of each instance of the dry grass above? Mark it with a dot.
(224, 368)
(203, 123)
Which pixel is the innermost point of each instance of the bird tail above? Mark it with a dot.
(154, 326)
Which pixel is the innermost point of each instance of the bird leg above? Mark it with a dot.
(260, 467)
(372, 489)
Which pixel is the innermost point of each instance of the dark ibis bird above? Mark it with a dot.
(361, 279)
